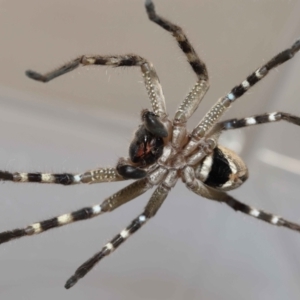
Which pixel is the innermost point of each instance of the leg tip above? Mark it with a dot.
(70, 282)
(148, 2)
(149, 5)
(296, 46)
(35, 76)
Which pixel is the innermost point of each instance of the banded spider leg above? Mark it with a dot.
(122, 171)
(208, 124)
(162, 150)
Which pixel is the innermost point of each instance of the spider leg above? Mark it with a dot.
(201, 189)
(261, 72)
(215, 113)
(197, 65)
(92, 176)
(259, 214)
(258, 119)
(150, 210)
(119, 198)
(151, 79)
(192, 100)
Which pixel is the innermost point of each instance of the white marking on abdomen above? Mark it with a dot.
(232, 165)
(227, 184)
(206, 167)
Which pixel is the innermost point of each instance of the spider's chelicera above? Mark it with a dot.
(162, 150)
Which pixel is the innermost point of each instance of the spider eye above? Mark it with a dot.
(146, 148)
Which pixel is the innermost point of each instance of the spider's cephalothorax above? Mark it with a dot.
(146, 147)
(162, 150)
(148, 144)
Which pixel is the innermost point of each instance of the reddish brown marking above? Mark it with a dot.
(144, 149)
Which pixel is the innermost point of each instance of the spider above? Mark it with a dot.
(162, 150)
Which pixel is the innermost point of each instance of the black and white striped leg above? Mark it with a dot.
(197, 65)
(63, 178)
(119, 198)
(259, 214)
(258, 119)
(224, 103)
(93, 176)
(192, 100)
(151, 79)
(151, 208)
(260, 73)
(202, 190)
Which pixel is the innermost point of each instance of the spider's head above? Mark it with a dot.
(145, 149)
(148, 143)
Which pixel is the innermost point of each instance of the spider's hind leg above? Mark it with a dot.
(202, 190)
(259, 214)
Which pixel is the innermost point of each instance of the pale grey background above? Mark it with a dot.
(194, 248)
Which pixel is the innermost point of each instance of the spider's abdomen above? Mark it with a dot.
(145, 148)
(222, 170)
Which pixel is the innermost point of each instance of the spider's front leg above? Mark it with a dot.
(150, 76)
(194, 97)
